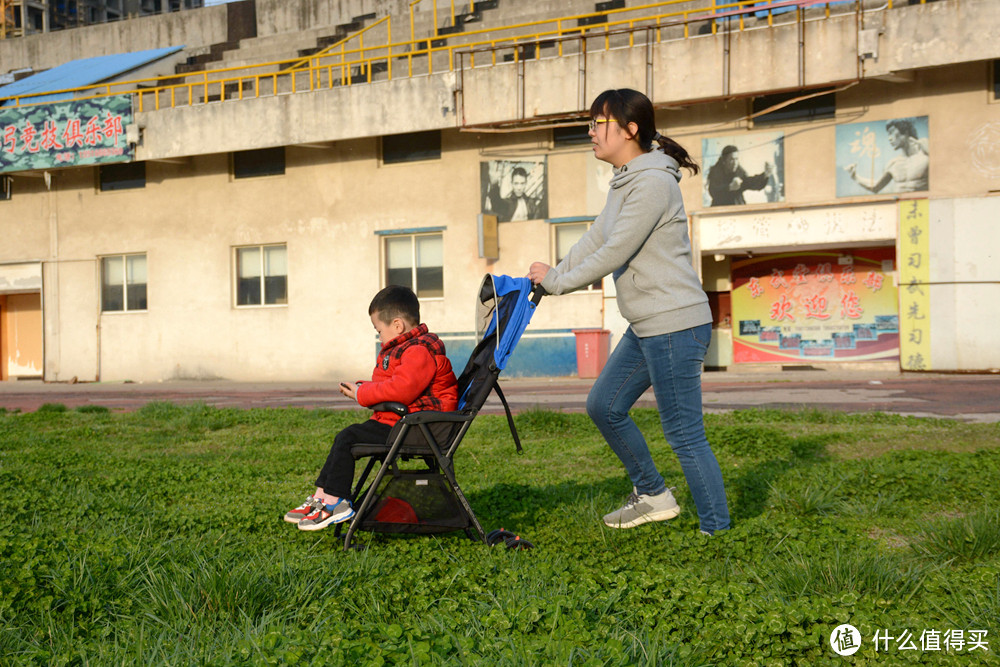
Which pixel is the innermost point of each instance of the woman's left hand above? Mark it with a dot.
(537, 272)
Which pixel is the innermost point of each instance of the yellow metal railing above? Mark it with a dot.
(359, 35)
(339, 65)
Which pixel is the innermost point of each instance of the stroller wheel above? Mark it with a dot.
(518, 543)
(495, 537)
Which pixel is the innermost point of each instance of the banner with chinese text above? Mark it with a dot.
(914, 279)
(814, 307)
(65, 134)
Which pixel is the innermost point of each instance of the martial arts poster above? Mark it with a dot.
(743, 169)
(883, 157)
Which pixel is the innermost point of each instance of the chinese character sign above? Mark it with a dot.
(883, 157)
(65, 134)
(821, 306)
(914, 279)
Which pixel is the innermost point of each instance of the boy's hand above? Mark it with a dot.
(348, 391)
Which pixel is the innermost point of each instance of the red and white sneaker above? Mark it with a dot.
(305, 509)
(327, 514)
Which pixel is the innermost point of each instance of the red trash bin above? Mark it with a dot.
(592, 347)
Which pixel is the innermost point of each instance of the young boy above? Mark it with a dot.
(410, 369)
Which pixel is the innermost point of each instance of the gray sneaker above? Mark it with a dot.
(642, 508)
(327, 514)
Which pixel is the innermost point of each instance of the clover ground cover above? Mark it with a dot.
(155, 537)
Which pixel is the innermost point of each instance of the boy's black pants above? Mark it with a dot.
(337, 474)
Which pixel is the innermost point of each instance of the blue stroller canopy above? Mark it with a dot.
(506, 315)
(503, 309)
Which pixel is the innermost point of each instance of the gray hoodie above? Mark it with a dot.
(641, 238)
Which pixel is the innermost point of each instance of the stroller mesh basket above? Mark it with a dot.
(414, 501)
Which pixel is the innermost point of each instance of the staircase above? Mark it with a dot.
(367, 49)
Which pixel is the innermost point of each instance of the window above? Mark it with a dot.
(416, 261)
(411, 147)
(261, 162)
(123, 283)
(812, 108)
(565, 235)
(262, 275)
(570, 136)
(122, 176)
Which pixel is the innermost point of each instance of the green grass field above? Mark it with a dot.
(155, 537)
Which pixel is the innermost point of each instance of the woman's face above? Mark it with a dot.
(612, 142)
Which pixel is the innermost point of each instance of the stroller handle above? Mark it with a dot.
(537, 292)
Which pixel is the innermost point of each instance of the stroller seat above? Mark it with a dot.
(429, 499)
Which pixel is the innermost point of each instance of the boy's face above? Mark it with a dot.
(517, 185)
(388, 330)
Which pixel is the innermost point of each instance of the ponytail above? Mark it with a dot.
(677, 152)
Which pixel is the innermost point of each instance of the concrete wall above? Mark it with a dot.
(193, 28)
(965, 283)
(932, 34)
(406, 105)
(279, 16)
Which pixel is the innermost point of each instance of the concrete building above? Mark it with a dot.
(26, 17)
(306, 152)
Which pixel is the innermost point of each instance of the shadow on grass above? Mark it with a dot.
(523, 504)
(765, 455)
(750, 490)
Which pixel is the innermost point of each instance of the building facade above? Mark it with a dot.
(241, 217)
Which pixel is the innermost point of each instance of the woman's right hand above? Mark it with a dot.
(537, 272)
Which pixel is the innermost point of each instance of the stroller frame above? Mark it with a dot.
(413, 436)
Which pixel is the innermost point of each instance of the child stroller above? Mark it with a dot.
(429, 499)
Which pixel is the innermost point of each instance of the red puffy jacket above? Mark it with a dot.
(411, 369)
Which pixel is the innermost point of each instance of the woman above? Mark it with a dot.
(641, 239)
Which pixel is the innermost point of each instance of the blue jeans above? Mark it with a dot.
(671, 364)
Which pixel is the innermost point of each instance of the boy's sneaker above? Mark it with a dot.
(327, 514)
(643, 508)
(305, 509)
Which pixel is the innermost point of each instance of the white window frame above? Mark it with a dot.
(555, 225)
(124, 257)
(412, 236)
(261, 247)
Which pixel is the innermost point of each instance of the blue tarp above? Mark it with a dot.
(84, 72)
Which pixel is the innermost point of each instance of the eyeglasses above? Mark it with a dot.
(595, 121)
